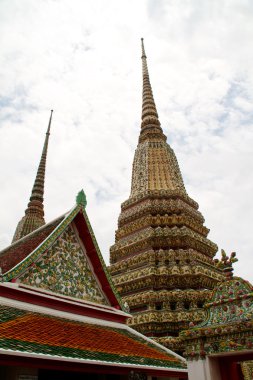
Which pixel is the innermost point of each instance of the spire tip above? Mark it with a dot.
(143, 49)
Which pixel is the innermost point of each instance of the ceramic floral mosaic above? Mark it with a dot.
(229, 324)
(231, 302)
(65, 269)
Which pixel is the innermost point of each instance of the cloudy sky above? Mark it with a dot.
(82, 58)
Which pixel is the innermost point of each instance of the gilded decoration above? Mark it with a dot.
(178, 315)
(161, 220)
(159, 202)
(247, 369)
(163, 237)
(165, 271)
(65, 269)
(163, 257)
(155, 167)
(164, 297)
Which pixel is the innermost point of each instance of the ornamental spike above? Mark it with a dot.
(149, 111)
(34, 214)
(143, 49)
(81, 199)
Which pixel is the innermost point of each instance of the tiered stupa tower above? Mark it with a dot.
(34, 214)
(162, 261)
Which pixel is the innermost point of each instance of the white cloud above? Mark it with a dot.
(82, 58)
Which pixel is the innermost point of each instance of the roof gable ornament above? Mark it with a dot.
(81, 199)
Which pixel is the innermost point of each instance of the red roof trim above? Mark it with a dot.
(91, 251)
(71, 366)
(60, 304)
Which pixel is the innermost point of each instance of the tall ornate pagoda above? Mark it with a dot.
(162, 261)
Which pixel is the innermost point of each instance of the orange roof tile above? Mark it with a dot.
(80, 339)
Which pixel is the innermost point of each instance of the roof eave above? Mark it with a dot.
(149, 369)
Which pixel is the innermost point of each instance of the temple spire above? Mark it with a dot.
(34, 214)
(149, 111)
(161, 261)
(155, 165)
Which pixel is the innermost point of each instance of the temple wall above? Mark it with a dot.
(204, 369)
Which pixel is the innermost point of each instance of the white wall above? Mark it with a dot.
(206, 369)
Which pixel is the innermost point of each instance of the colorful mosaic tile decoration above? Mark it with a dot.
(247, 370)
(65, 269)
(228, 326)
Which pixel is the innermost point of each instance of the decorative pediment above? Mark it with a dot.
(66, 260)
(65, 269)
(231, 301)
(228, 326)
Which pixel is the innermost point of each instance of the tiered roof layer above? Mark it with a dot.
(29, 332)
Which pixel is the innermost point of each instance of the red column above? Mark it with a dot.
(230, 370)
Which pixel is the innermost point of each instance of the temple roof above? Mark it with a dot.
(58, 303)
(27, 332)
(20, 249)
(22, 259)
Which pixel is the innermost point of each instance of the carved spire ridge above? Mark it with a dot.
(34, 214)
(38, 187)
(149, 111)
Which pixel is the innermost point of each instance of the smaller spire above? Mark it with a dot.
(34, 214)
(38, 187)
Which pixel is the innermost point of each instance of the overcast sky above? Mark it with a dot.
(82, 58)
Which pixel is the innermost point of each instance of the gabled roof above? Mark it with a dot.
(19, 256)
(37, 334)
(20, 249)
